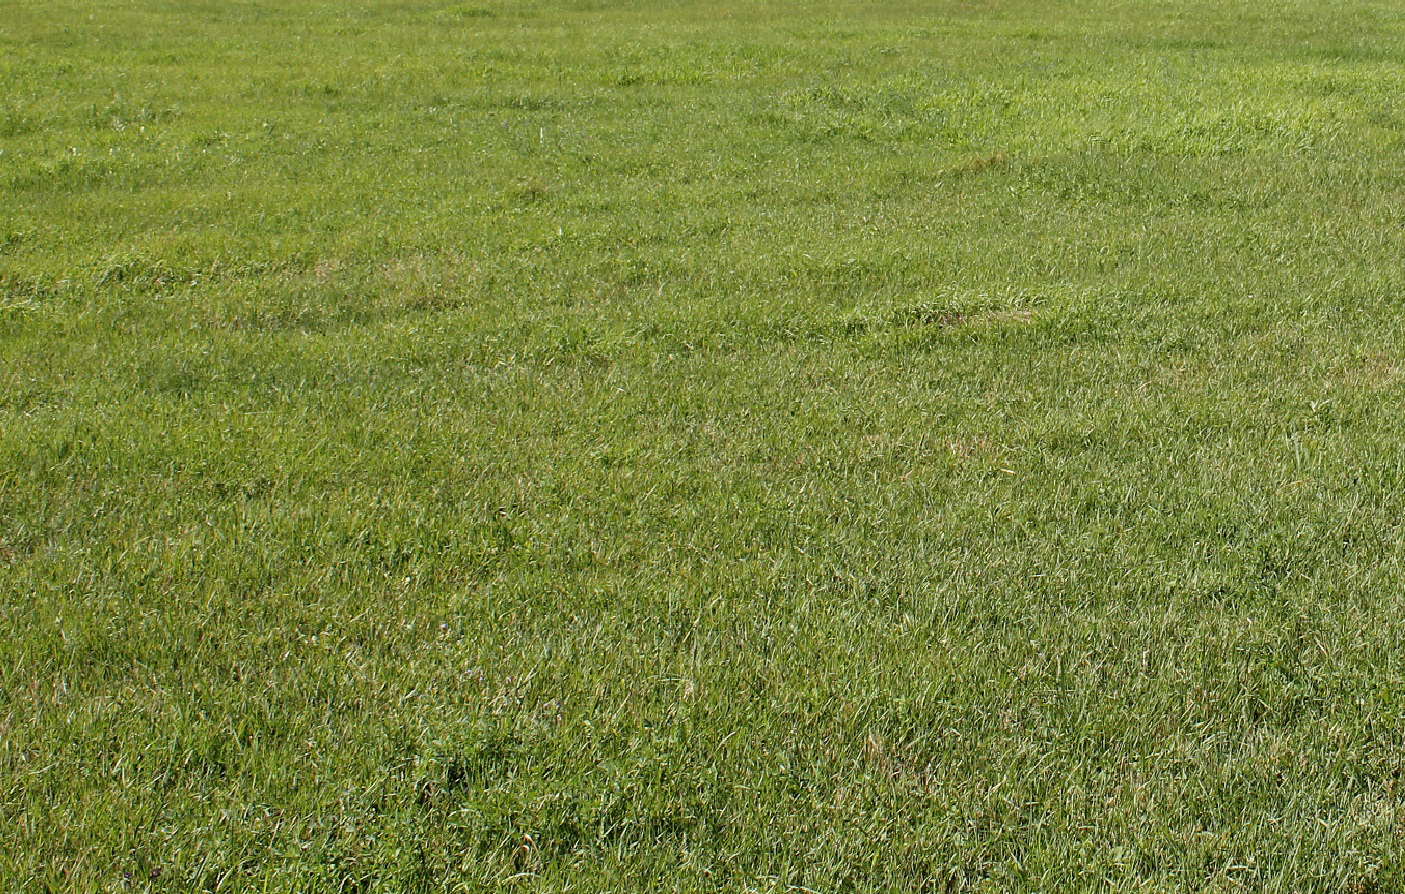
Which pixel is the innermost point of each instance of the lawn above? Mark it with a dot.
(768, 446)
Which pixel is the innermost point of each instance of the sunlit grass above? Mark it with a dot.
(751, 447)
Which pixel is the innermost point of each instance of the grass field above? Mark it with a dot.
(576, 445)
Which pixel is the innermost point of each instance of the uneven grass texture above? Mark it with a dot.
(693, 446)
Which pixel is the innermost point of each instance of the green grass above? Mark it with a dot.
(680, 446)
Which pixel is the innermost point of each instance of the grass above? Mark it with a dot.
(775, 446)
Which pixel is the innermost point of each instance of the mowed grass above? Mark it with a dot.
(684, 446)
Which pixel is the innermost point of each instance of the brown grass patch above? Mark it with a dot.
(978, 163)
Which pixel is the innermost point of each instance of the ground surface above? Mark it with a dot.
(686, 446)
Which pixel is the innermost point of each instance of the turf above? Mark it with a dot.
(685, 446)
